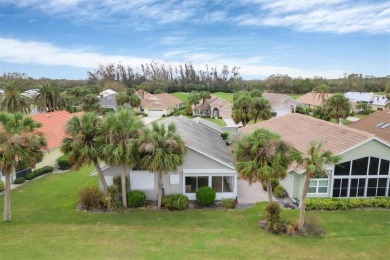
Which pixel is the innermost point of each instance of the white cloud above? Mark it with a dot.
(43, 53)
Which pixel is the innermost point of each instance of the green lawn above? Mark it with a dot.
(181, 95)
(45, 225)
(219, 122)
(226, 96)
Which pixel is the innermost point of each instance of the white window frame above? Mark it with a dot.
(317, 186)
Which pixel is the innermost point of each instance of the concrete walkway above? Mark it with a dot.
(148, 120)
(230, 123)
(250, 193)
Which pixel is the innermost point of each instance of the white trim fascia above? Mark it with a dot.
(211, 157)
(364, 142)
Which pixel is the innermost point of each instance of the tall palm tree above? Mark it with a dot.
(91, 103)
(337, 107)
(262, 156)
(163, 151)
(121, 132)
(19, 142)
(82, 145)
(321, 91)
(47, 98)
(12, 100)
(314, 162)
(260, 108)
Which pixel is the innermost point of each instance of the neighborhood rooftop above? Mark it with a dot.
(312, 98)
(299, 130)
(201, 138)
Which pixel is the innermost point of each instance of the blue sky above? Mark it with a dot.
(307, 38)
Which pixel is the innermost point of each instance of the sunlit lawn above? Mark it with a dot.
(45, 225)
(181, 95)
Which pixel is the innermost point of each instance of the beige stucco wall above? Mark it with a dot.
(50, 158)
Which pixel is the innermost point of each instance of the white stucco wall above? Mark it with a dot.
(49, 158)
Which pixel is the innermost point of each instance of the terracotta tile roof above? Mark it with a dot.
(299, 130)
(53, 126)
(163, 100)
(212, 101)
(276, 99)
(312, 98)
(371, 125)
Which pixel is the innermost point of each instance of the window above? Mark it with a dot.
(319, 186)
(195, 182)
(220, 184)
(384, 170)
(357, 187)
(342, 168)
(374, 166)
(359, 166)
(340, 187)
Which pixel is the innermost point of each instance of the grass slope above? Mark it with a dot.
(181, 95)
(46, 225)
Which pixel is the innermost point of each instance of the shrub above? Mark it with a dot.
(175, 202)
(90, 197)
(352, 113)
(341, 204)
(113, 200)
(43, 170)
(205, 196)
(2, 186)
(63, 163)
(225, 135)
(135, 199)
(229, 203)
(30, 176)
(220, 117)
(272, 217)
(117, 183)
(274, 183)
(145, 115)
(379, 109)
(164, 115)
(19, 180)
(280, 192)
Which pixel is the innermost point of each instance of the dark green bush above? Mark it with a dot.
(280, 192)
(38, 172)
(274, 183)
(30, 176)
(2, 186)
(63, 163)
(175, 202)
(19, 180)
(135, 199)
(350, 203)
(272, 217)
(90, 197)
(229, 203)
(225, 135)
(205, 196)
(379, 109)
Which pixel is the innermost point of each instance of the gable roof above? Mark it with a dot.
(53, 126)
(107, 92)
(163, 100)
(108, 101)
(375, 124)
(299, 130)
(212, 101)
(202, 139)
(277, 99)
(312, 99)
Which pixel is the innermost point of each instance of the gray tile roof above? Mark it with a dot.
(108, 101)
(201, 138)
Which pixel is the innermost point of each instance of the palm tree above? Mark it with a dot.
(134, 100)
(321, 91)
(262, 156)
(163, 151)
(19, 142)
(82, 145)
(260, 108)
(242, 108)
(314, 162)
(47, 98)
(338, 107)
(121, 132)
(12, 100)
(121, 98)
(91, 103)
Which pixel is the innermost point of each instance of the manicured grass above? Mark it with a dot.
(45, 225)
(181, 95)
(217, 121)
(226, 96)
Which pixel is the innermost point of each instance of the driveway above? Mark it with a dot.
(248, 194)
(147, 120)
(230, 123)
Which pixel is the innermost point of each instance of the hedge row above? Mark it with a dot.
(350, 203)
(38, 172)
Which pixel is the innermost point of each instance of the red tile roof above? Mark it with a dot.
(53, 126)
(312, 98)
(371, 125)
(299, 130)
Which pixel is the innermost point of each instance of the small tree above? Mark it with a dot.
(242, 108)
(338, 107)
(121, 98)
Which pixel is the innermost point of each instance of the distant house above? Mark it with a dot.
(367, 97)
(377, 123)
(364, 170)
(107, 99)
(281, 104)
(158, 105)
(213, 107)
(207, 162)
(313, 99)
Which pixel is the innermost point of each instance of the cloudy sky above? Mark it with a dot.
(66, 38)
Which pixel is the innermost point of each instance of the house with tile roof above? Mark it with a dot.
(158, 105)
(312, 99)
(213, 107)
(377, 124)
(281, 104)
(368, 97)
(207, 162)
(364, 170)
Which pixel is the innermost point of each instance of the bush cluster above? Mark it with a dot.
(205, 196)
(135, 199)
(63, 163)
(350, 203)
(175, 202)
(2, 186)
(225, 135)
(90, 197)
(229, 203)
(19, 180)
(272, 217)
(280, 192)
(38, 172)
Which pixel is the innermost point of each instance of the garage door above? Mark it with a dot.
(155, 112)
